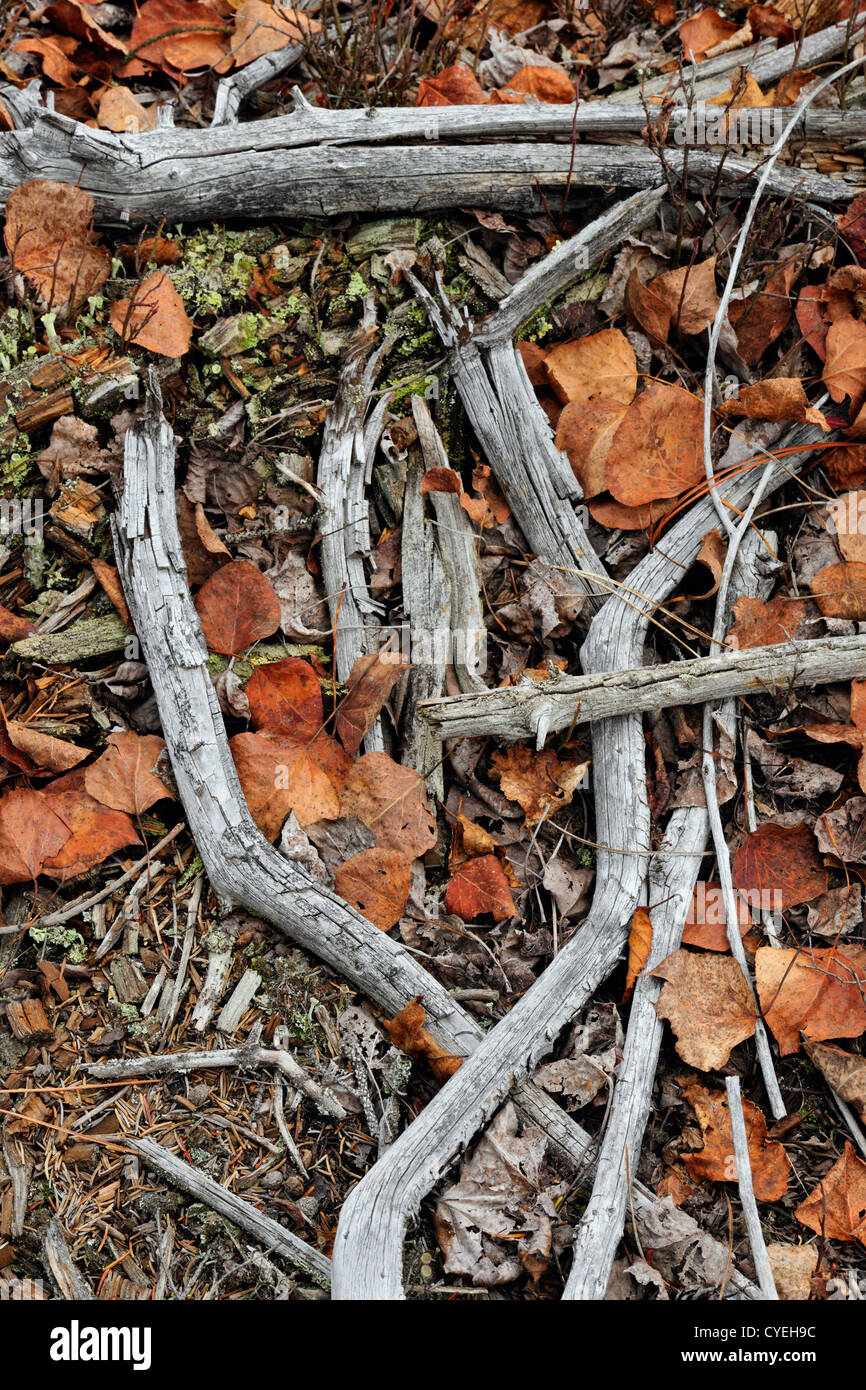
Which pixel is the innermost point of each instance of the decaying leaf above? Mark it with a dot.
(179, 35)
(124, 778)
(49, 240)
(237, 606)
(836, 1208)
(793, 1267)
(779, 863)
(715, 1162)
(844, 1071)
(640, 940)
(706, 922)
(376, 882)
(777, 398)
(760, 623)
(500, 1193)
(818, 992)
(96, 831)
(261, 29)
(279, 774)
(761, 318)
(406, 1031)
(840, 591)
(31, 831)
(479, 888)
(153, 317)
(537, 781)
(708, 1004)
(702, 32)
(657, 450)
(854, 734)
(370, 682)
(390, 800)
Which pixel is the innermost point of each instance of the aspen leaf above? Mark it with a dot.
(479, 888)
(370, 682)
(154, 318)
(391, 801)
(777, 398)
(657, 450)
(537, 781)
(715, 1162)
(602, 365)
(376, 882)
(702, 32)
(49, 238)
(237, 606)
(840, 591)
(818, 992)
(406, 1031)
(123, 778)
(708, 1004)
(760, 623)
(640, 940)
(836, 1208)
(780, 860)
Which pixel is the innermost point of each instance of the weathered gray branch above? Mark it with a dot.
(562, 701)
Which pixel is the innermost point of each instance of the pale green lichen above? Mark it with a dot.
(64, 939)
(216, 270)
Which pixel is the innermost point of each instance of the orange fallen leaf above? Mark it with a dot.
(608, 512)
(48, 235)
(854, 734)
(537, 781)
(109, 579)
(760, 623)
(585, 432)
(56, 64)
(818, 992)
(846, 467)
(767, 22)
(840, 591)
(852, 227)
(777, 398)
(392, 802)
(640, 940)
(96, 831)
(40, 751)
(702, 32)
(781, 864)
(479, 888)
(845, 365)
(542, 82)
(279, 774)
(377, 883)
(30, 832)
(406, 1031)
(491, 508)
(119, 110)
(370, 682)
(203, 552)
(715, 1162)
(810, 319)
(153, 318)
(602, 364)
(456, 85)
(285, 697)
(179, 35)
(261, 29)
(849, 517)
(709, 1006)
(657, 451)
(124, 778)
(650, 310)
(836, 1208)
(440, 480)
(13, 628)
(712, 555)
(237, 606)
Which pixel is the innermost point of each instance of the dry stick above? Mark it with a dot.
(173, 1003)
(59, 1264)
(514, 713)
(231, 91)
(179, 1063)
(368, 1248)
(760, 1258)
(272, 1235)
(708, 768)
(458, 548)
(672, 876)
(241, 866)
(343, 516)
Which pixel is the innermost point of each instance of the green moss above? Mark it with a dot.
(536, 327)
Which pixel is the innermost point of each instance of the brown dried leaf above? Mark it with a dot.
(689, 295)
(585, 432)
(715, 1162)
(657, 450)
(377, 883)
(760, 624)
(96, 831)
(640, 940)
(370, 682)
(780, 860)
(391, 801)
(537, 781)
(406, 1031)
(845, 1072)
(123, 778)
(763, 317)
(840, 591)
(260, 29)
(30, 832)
(818, 992)
(48, 235)
(777, 398)
(237, 606)
(845, 367)
(708, 1004)
(702, 32)
(279, 774)
(836, 1208)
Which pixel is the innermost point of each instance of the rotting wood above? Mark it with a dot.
(368, 1247)
(60, 1266)
(270, 1233)
(516, 713)
(458, 548)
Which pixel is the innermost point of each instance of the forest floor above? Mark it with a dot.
(114, 949)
